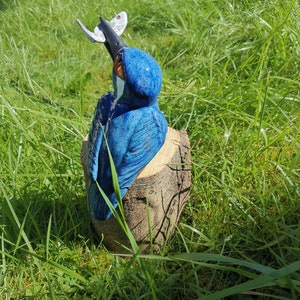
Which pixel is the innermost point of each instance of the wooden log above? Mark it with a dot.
(154, 202)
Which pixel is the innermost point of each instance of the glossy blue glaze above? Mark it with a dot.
(134, 126)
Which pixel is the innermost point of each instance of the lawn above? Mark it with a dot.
(231, 78)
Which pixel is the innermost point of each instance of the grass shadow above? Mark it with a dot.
(37, 211)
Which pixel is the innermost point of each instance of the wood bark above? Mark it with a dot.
(153, 204)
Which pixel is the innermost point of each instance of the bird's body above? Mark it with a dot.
(134, 127)
(127, 122)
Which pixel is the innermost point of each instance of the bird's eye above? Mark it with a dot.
(118, 67)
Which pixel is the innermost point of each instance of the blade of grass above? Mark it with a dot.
(259, 282)
(22, 233)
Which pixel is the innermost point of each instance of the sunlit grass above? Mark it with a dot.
(231, 79)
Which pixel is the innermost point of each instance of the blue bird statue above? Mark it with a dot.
(152, 160)
(127, 122)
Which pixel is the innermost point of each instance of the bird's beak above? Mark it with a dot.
(113, 42)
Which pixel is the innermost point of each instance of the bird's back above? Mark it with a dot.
(133, 138)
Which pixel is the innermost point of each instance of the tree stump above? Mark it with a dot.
(154, 202)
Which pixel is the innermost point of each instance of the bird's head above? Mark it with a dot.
(137, 77)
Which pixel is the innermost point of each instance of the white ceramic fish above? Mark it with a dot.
(118, 23)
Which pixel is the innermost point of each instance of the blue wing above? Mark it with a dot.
(95, 140)
(105, 110)
(134, 138)
(147, 139)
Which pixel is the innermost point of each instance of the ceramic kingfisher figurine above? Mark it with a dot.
(152, 160)
(127, 121)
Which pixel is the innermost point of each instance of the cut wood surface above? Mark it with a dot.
(154, 202)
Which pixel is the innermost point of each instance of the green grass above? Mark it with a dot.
(231, 79)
